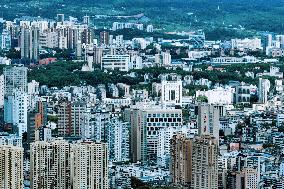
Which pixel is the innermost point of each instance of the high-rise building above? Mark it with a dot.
(280, 39)
(29, 42)
(181, 160)
(164, 144)
(58, 164)
(11, 167)
(6, 40)
(204, 163)
(144, 132)
(247, 178)
(98, 54)
(64, 119)
(15, 98)
(208, 120)
(104, 38)
(2, 87)
(70, 119)
(118, 140)
(20, 112)
(263, 90)
(167, 58)
(15, 79)
(89, 165)
(95, 124)
(50, 165)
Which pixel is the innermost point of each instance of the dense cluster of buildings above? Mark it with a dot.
(226, 135)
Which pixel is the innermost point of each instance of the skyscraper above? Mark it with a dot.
(104, 38)
(70, 118)
(86, 20)
(29, 42)
(181, 156)
(208, 120)
(15, 98)
(204, 163)
(89, 165)
(263, 89)
(11, 167)
(60, 165)
(2, 86)
(118, 140)
(50, 164)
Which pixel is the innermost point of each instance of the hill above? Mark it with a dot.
(261, 15)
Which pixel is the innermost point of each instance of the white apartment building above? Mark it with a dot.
(167, 58)
(113, 62)
(217, 96)
(33, 88)
(208, 120)
(20, 111)
(251, 44)
(234, 60)
(11, 167)
(263, 90)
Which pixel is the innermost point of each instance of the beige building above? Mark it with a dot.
(11, 167)
(50, 164)
(247, 178)
(181, 154)
(60, 165)
(204, 163)
(89, 165)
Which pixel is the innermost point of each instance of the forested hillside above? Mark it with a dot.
(261, 15)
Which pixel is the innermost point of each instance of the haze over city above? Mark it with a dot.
(140, 94)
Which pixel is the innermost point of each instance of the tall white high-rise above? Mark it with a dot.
(20, 112)
(2, 86)
(16, 100)
(11, 167)
(263, 89)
